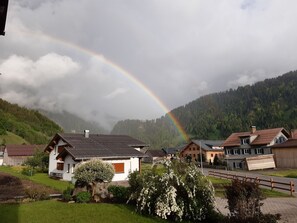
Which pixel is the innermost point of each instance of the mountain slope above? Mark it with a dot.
(266, 104)
(29, 124)
(72, 123)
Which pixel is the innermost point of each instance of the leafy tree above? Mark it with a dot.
(94, 172)
(216, 160)
(40, 159)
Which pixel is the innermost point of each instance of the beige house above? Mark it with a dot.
(209, 148)
(252, 150)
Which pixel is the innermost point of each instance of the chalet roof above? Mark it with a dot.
(173, 150)
(290, 143)
(263, 137)
(22, 150)
(155, 153)
(209, 145)
(100, 146)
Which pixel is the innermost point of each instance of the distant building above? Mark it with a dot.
(252, 150)
(285, 154)
(15, 155)
(154, 155)
(173, 152)
(209, 148)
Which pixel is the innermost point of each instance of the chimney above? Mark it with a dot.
(86, 133)
(294, 133)
(253, 129)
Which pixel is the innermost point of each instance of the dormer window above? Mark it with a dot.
(280, 139)
(245, 140)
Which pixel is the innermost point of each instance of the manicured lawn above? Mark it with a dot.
(40, 178)
(55, 211)
(292, 173)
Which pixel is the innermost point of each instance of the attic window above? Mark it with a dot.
(245, 141)
(281, 139)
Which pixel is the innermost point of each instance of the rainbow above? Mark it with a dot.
(120, 70)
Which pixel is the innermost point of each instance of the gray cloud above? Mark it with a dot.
(178, 49)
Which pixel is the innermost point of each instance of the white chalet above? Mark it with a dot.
(66, 150)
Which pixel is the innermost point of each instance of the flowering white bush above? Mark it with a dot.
(182, 193)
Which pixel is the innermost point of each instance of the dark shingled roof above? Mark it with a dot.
(209, 145)
(155, 153)
(101, 146)
(23, 150)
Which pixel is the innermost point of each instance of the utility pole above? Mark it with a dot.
(201, 163)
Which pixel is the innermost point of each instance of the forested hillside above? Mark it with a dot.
(32, 126)
(266, 104)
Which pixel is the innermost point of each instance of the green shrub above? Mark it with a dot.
(28, 171)
(83, 197)
(67, 194)
(119, 193)
(244, 203)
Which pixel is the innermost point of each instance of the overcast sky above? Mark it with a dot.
(180, 50)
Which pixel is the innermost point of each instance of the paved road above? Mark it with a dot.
(287, 207)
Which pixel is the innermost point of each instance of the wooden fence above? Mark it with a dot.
(263, 182)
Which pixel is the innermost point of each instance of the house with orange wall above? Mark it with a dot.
(209, 148)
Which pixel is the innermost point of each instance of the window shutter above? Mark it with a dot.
(119, 167)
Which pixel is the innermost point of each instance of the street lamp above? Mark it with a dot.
(200, 157)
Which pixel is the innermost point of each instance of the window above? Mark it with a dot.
(211, 155)
(259, 151)
(68, 168)
(73, 166)
(246, 151)
(60, 166)
(237, 152)
(60, 149)
(245, 141)
(281, 139)
(119, 167)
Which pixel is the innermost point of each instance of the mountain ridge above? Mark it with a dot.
(265, 104)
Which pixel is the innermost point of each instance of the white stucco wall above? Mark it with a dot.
(52, 167)
(130, 165)
(68, 161)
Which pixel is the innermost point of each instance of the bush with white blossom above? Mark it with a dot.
(181, 193)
